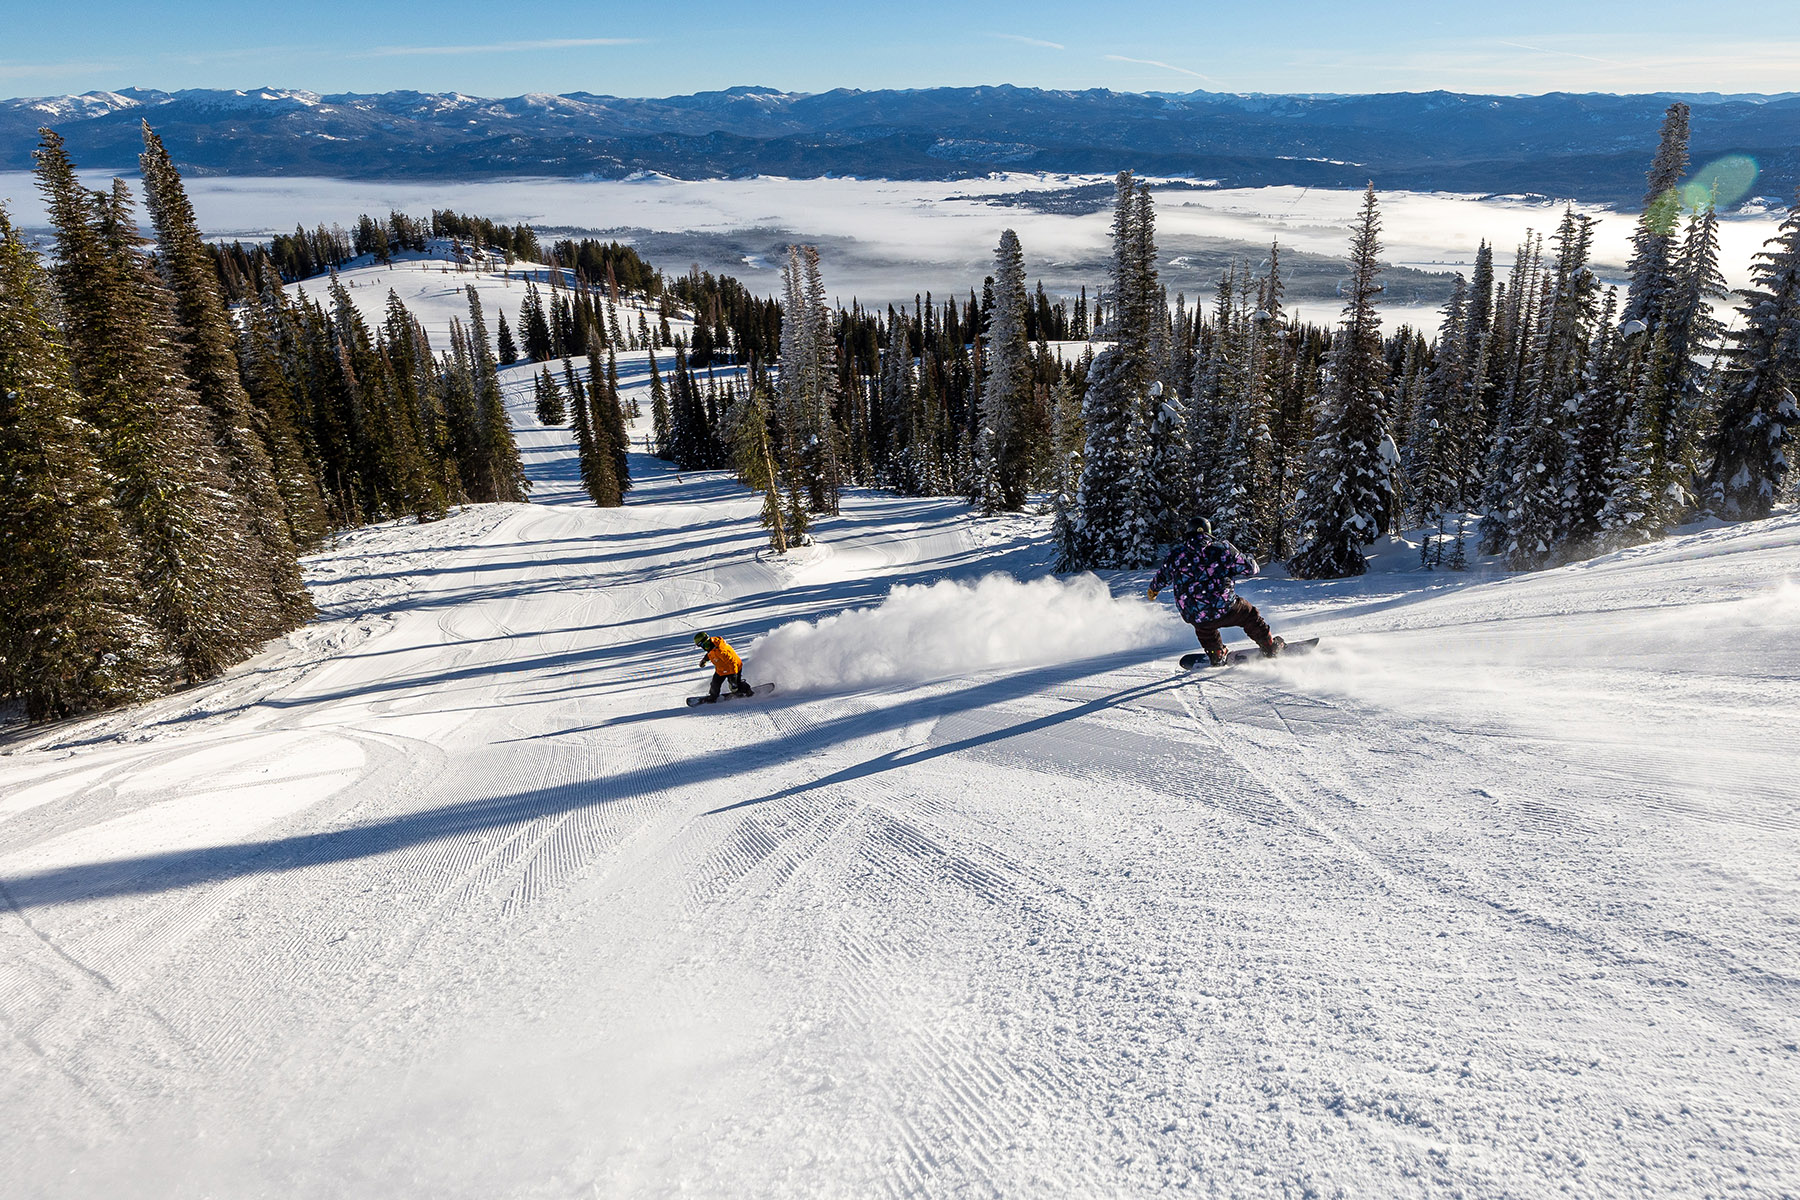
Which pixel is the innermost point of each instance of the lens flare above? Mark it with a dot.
(1721, 183)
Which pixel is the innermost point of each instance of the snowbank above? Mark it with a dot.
(933, 631)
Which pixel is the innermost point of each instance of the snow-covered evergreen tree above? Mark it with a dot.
(1597, 433)
(1653, 243)
(807, 383)
(1547, 431)
(547, 398)
(72, 634)
(661, 419)
(509, 349)
(1349, 489)
(499, 475)
(210, 344)
(1003, 448)
(1757, 411)
(1114, 526)
(155, 439)
(1505, 361)
(1434, 441)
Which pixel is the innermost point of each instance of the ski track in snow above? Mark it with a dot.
(447, 894)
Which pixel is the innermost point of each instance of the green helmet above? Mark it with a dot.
(702, 641)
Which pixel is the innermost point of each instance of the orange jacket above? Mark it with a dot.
(724, 659)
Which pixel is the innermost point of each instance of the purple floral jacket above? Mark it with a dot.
(1201, 571)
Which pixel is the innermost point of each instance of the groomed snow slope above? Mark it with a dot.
(449, 895)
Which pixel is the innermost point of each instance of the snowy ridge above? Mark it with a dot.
(1557, 144)
(448, 894)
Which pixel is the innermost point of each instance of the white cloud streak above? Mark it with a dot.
(1151, 62)
(1610, 62)
(1029, 41)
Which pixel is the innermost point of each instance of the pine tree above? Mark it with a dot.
(1695, 337)
(1481, 302)
(1758, 412)
(210, 342)
(509, 351)
(688, 433)
(1548, 433)
(1653, 243)
(610, 413)
(499, 475)
(549, 406)
(456, 395)
(1435, 442)
(1349, 490)
(1112, 527)
(1599, 416)
(1004, 449)
(413, 407)
(1505, 360)
(1267, 338)
(807, 385)
(661, 420)
(748, 441)
(72, 636)
(271, 377)
(156, 443)
(534, 327)
(585, 448)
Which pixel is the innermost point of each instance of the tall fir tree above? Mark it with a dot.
(1548, 435)
(72, 635)
(1653, 243)
(610, 412)
(200, 585)
(499, 475)
(661, 419)
(547, 398)
(1112, 527)
(1349, 490)
(509, 350)
(209, 339)
(1758, 411)
(1004, 450)
(534, 326)
(271, 375)
(1434, 448)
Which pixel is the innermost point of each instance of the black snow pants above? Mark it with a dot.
(1241, 614)
(737, 685)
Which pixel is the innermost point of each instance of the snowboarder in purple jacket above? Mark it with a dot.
(1200, 570)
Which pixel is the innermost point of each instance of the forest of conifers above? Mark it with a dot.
(176, 428)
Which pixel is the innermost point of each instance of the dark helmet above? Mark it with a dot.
(1199, 527)
(702, 641)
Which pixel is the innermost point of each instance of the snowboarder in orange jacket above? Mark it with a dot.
(726, 665)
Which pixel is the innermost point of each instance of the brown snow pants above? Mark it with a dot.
(1241, 614)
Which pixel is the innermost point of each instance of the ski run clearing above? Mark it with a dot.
(449, 895)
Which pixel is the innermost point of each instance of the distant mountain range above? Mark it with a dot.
(1590, 147)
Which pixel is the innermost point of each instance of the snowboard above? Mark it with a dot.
(761, 689)
(1191, 662)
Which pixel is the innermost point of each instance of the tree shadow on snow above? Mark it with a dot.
(177, 869)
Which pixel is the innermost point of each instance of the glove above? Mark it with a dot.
(1151, 594)
(1254, 565)
(704, 659)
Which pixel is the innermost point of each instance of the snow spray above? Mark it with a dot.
(924, 632)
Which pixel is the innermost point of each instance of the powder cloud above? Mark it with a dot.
(924, 632)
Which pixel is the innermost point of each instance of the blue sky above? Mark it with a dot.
(641, 49)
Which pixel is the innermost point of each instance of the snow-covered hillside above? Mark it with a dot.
(449, 894)
(433, 284)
